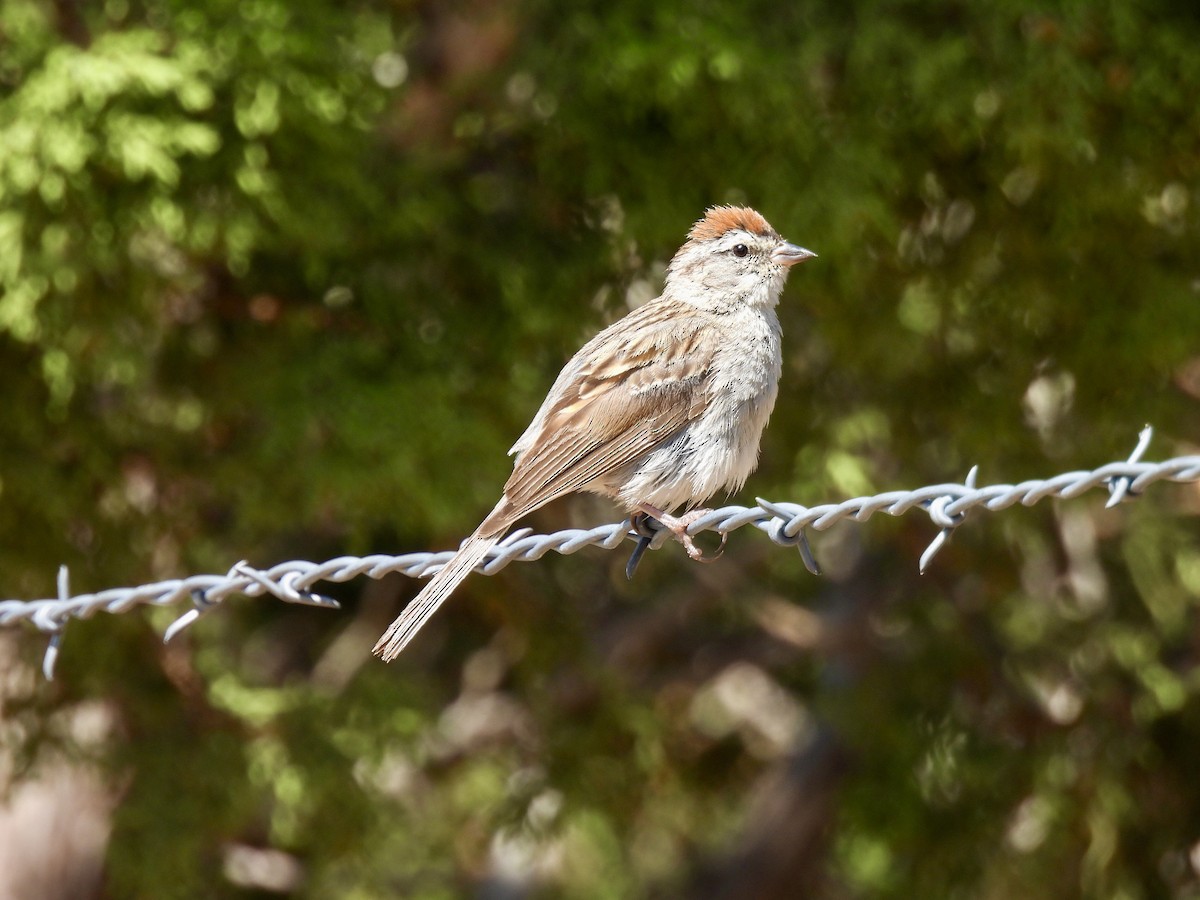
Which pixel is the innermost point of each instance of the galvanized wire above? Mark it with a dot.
(784, 523)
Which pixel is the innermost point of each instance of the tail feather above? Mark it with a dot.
(426, 603)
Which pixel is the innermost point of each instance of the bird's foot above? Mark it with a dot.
(678, 526)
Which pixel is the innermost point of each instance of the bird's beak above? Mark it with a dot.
(789, 254)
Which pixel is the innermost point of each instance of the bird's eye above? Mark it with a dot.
(740, 250)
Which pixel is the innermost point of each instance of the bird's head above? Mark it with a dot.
(732, 256)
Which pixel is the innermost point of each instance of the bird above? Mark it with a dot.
(660, 410)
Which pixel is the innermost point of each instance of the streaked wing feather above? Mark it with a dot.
(649, 383)
(573, 460)
(621, 343)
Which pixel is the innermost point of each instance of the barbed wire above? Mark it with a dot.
(784, 523)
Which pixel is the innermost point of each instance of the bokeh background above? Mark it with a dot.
(284, 280)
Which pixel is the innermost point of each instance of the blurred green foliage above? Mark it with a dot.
(285, 280)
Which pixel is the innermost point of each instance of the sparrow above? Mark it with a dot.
(660, 410)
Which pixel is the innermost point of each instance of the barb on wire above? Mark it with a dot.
(1119, 488)
(779, 534)
(52, 622)
(784, 523)
(937, 511)
(201, 604)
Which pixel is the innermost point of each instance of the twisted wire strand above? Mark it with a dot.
(784, 523)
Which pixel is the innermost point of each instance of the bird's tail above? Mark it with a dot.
(426, 603)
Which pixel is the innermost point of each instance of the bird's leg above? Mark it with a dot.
(678, 526)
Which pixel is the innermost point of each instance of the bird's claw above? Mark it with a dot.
(720, 551)
(648, 522)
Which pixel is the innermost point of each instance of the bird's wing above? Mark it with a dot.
(628, 390)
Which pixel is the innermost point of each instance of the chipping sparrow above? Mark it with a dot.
(661, 409)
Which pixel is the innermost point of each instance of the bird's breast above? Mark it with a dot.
(718, 449)
(744, 386)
